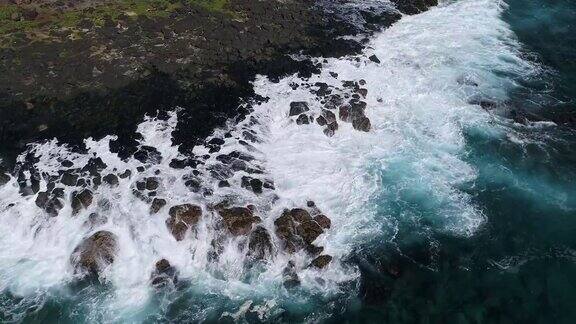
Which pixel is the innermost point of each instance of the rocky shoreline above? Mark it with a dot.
(104, 79)
(208, 93)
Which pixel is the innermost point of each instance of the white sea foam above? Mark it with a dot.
(432, 66)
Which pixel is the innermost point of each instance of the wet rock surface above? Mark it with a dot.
(260, 244)
(297, 230)
(164, 274)
(95, 253)
(238, 220)
(81, 200)
(182, 218)
(321, 261)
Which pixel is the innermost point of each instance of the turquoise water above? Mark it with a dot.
(519, 267)
(456, 215)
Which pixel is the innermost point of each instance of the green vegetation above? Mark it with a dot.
(13, 18)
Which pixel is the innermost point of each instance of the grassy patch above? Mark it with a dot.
(47, 19)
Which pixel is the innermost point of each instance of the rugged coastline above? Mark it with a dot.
(104, 71)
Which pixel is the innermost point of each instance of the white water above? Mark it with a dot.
(415, 151)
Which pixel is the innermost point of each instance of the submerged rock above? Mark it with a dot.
(182, 218)
(290, 276)
(164, 274)
(81, 200)
(260, 244)
(95, 253)
(238, 220)
(49, 203)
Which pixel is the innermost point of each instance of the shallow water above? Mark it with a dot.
(445, 211)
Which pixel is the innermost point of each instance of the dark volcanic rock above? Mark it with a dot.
(321, 261)
(323, 221)
(298, 107)
(111, 179)
(81, 200)
(362, 124)
(238, 220)
(95, 253)
(302, 120)
(157, 204)
(309, 230)
(4, 178)
(374, 59)
(49, 203)
(152, 183)
(164, 274)
(148, 154)
(290, 276)
(296, 229)
(260, 244)
(94, 166)
(182, 218)
(69, 179)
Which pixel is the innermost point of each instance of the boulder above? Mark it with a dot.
(302, 120)
(4, 179)
(298, 107)
(183, 217)
(374, 59)
(309, 230)
(164, 274)
(95, 253)
(260, 244)
(238, 220)
(49, 203)
(157, 204)
(152, 183)
(321, 120)
(331, 129)
(111, 179)
(290, 276)
(286, 232)
(329, 116)
(321, 261)
(69, 179)
(323, 221)
(81, 200)
(297, 229)
(344, 113)
(314, 249)
(362, 124)
(125, 174)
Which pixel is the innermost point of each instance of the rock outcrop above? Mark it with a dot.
(164, 274)
(95, 253)
(238, 220)
(182, 218)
